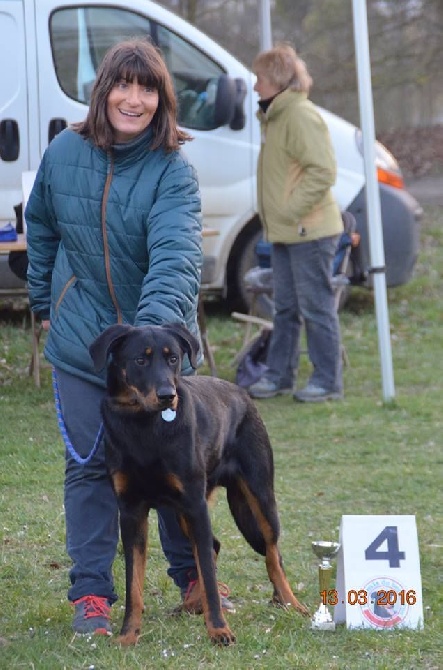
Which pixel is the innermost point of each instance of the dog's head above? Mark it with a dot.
(145, 363)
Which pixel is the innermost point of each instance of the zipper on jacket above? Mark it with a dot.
(260, 195)
(105, 239)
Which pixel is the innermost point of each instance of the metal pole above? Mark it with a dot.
(265, 25)
(376, 249)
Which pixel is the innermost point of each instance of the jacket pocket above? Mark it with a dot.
(63, 292)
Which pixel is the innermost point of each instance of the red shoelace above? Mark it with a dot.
(94, 606)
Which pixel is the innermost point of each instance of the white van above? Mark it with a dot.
(49, 52)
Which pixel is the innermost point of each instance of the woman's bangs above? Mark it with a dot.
(135, 68)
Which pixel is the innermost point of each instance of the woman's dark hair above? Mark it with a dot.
(133, 59)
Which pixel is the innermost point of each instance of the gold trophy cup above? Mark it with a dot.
(325, 551)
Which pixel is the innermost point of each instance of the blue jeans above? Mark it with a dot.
(91, 509)
(303, 295)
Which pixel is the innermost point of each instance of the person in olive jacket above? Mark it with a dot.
(114, 236)
(296, 170)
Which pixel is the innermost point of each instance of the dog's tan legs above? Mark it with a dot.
(283, 594)
(135, 576)
(206, 591)
(216, 624)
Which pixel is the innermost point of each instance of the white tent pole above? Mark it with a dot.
(376, 249)
(265, 25)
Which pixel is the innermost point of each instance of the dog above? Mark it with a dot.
(171, 440)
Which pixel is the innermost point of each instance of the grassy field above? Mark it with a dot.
(360, 456)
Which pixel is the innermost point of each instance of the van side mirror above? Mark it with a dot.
(212, 103)
(239, 119)
(229, 99)
(225, 99)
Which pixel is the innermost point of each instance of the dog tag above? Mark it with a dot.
(168, 414)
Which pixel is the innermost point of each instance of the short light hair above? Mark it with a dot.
(284, 68)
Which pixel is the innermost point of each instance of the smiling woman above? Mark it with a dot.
(131, 107)
(133, 91)
(114, 236)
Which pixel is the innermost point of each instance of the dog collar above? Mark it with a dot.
(168, 414)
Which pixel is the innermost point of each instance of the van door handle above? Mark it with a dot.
(9, 140)
(55, 127)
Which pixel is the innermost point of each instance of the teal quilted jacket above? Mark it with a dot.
(112, 237)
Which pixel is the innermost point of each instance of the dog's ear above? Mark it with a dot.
(105, 343)
(188, 342)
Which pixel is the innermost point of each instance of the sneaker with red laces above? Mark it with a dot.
(91, 616)
(191, 598)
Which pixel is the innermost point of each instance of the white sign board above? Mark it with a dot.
(378, 573)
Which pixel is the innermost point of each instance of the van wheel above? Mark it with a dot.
(238, 297)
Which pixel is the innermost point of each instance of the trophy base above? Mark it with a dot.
(323, 625)
(322, 619)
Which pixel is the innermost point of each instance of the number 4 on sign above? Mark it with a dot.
(378, 573)
(389, 535)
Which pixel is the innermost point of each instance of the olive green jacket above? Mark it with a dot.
(296, 170)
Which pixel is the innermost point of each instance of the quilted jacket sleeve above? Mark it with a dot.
(43, 240)
(174, 244)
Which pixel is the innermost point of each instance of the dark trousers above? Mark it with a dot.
(91, 507)
(303, 294)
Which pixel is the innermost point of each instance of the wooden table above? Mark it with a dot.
(18, 245)
(36, 329)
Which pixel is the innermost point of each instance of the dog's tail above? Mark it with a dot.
(258, 527)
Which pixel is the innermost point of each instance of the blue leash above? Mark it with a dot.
(64, 433)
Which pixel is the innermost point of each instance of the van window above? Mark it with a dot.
(81, 36)
(195, 78)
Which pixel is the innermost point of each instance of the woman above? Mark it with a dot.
(114, 235)
(296, 170)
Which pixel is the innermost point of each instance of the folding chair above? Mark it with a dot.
(36, 329)
(349, 239)
(259, 283)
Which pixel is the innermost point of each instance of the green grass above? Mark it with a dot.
(361, 456)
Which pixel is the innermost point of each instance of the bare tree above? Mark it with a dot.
(405, 42)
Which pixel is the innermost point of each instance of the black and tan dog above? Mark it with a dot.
(171, 440)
